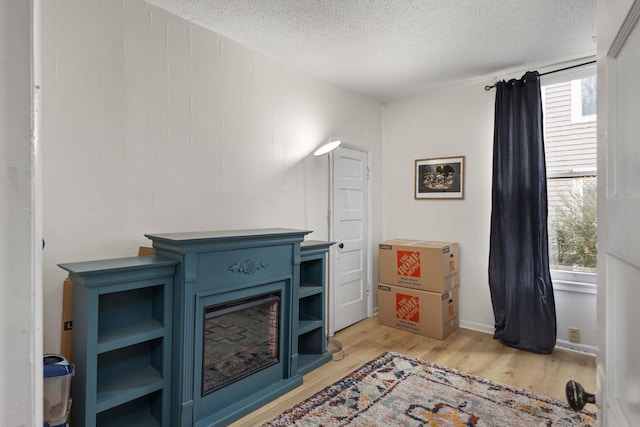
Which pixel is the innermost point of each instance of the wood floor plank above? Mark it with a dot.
(466, 350)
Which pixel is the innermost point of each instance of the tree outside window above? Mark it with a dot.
(573, 227)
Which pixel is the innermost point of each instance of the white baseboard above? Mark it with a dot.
(475, 326)
(580, 348)
(565, 345)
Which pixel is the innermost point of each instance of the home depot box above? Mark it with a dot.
(427, 266)
(431, 314)
(66, 339)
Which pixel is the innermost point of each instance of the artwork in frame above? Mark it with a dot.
(439, 178)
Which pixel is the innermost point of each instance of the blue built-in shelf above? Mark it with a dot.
(311, 310)
(122, 317)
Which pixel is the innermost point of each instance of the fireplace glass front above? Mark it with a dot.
(240, 338)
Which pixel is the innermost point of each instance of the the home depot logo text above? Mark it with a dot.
(408, 307)
(409, 263)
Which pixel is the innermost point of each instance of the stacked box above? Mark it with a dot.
(431, 314)
(426, 266)
(418, 288)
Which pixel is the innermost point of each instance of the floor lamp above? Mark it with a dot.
(333, 346)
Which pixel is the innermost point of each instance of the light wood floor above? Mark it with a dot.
(469, 351)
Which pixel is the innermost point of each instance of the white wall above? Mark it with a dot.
(458, 121)
(20, 223)
(152, 124)
(576, 307)
(451, 121)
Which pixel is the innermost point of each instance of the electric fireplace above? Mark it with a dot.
(240, 338)
(235, 336)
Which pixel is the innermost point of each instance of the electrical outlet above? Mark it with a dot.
(574, 335)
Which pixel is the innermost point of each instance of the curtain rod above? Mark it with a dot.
(489, 87)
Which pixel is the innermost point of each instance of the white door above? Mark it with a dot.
(618, 223)
(349, 224)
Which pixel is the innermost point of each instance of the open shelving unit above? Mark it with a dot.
(122, 341)
(311, 309)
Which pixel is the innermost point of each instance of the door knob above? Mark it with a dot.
(341, 245)
(577, 397)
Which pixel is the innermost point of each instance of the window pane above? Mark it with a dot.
(572, 224)
(588, 89)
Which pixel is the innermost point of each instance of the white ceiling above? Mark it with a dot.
(391, 49)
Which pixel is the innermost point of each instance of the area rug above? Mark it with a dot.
(398, 390)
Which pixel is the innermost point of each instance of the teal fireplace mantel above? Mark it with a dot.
(221, 267)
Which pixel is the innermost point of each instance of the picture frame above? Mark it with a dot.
(439, 178)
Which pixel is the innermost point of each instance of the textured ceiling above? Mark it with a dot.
(390, 49)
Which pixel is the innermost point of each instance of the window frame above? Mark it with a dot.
(574, 281)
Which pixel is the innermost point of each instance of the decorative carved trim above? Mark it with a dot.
(248, 266)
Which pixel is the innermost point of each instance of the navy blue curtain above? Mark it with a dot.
(519, 278)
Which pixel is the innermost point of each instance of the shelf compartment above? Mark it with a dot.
(312, 272)
(128, 373)
(131, 316)
(311, 342)
(145, 411)
(311, 308)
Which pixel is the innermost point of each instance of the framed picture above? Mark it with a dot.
(439, 178)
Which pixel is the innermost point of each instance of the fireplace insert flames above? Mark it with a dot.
(239, 339)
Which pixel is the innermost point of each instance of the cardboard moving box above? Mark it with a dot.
(426, 313)
(427, 266)
(66, 340)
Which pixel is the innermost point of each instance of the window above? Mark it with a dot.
(570, 128)
(583, 99)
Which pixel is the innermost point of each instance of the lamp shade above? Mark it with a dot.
(327, 148)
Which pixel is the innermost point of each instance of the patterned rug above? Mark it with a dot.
(398, 390)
